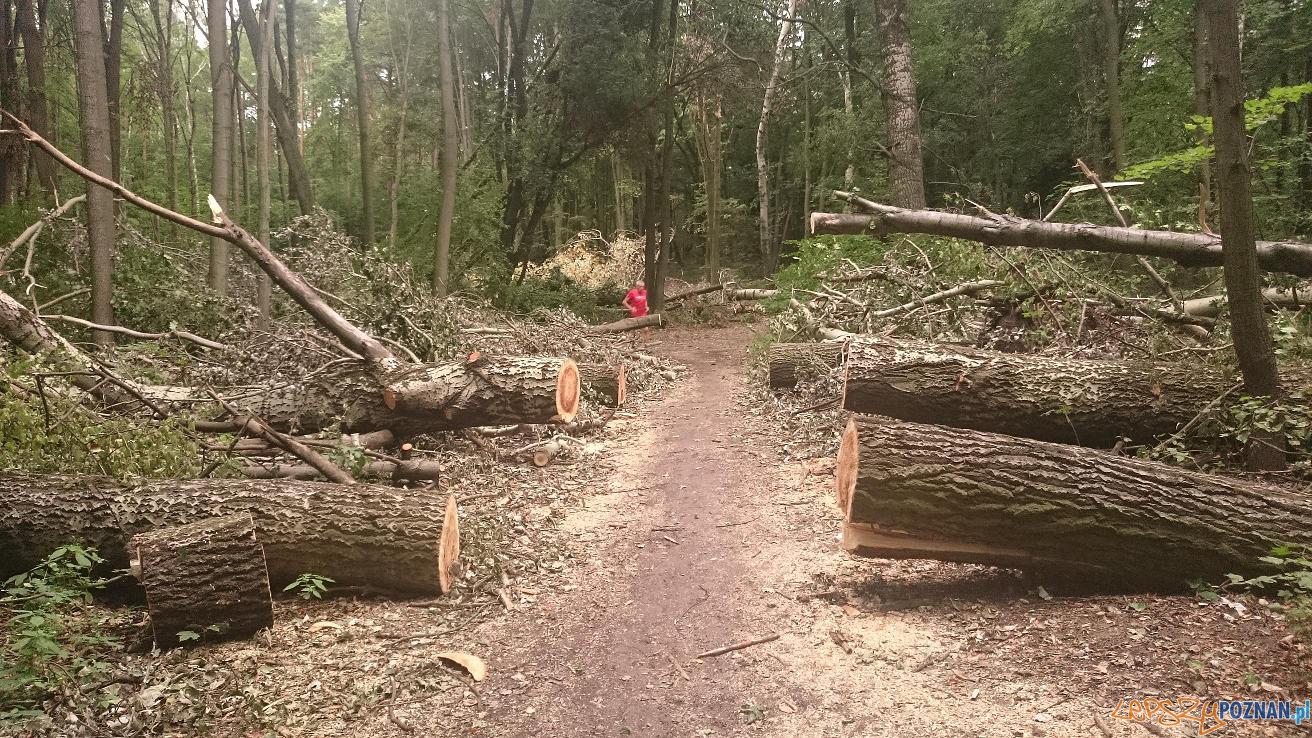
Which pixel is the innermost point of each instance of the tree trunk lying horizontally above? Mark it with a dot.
(381, 537)
(1288, 298)
(631, 324)
(932, 492)
(410, 470)
(788, 363)
(1079, 401)
(750, 294)
(205, 581)
(1189, 249)
(609, 381)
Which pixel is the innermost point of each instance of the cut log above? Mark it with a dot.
(1189, 249)
(205, 581)
(607, 380)
(410, 470)
(486, 392)
(1079, 401)
(547, 452)
(629, 324)
(695, 291)
(1075, 514)
(789, 363)
(381, 537)
(750, 294)
(1288, 298)
(448, 549)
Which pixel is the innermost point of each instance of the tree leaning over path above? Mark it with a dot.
(1252, 336)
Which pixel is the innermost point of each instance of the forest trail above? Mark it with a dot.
(705, 538)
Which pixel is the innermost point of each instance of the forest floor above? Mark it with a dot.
(691, 530)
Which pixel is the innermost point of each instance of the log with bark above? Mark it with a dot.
(609, 381)
(205, 581)
(750, 294)
(1073, 514)
(788, 363)
(407, 470)
(1078, 401)
(1189, 249)
(692, 292)
(547, 452)
(1287, 298)
(381, 537)
(655, 320)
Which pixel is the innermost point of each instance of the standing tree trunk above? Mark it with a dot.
(93, 107)
(12, 165)
(1111, 72)
(264, 157)
(221, 83)
(362, 119)
(401, 62)
(849, 103)
(450, 151)
(1203, 107)
(1243, 287)
(293, 83)
(113, 82)
(768, 252)
(38, 108)
(656, 288)
(708, 115)
(901, 109)
(165, 89)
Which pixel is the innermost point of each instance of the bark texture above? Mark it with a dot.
(906, 168)
(607, 380)
(628, 324)
(1070, 513)
(1291, 298)
(486, 392)
(363, 124)
(450, 151)
(1188, 249)
(381, 537)
(97, 153)
(788, 363)
(207, 577)
(221, 86)
(1079, 401)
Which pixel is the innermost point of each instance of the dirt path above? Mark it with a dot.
(705, 538)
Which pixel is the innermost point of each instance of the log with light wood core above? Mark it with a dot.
(483, 391)
(1081, 401)
(207, 579)
(932, 492)
(381, 537)
(789, 363)
(631, 324)
(607, 380)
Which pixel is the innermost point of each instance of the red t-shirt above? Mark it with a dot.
(637, 300)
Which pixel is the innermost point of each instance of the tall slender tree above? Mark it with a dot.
(362, 119)
(769, 252)
(221, 96)
(1111, 73)
(93, 108)
(450, 151)
(901, 107)
(1254, 348)
(38, 107)
(264, 155)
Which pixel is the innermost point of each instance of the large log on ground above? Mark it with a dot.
(207, 579)
(750, 294)
(788, 363)
(630, 324)
(407, 470)
(1287, 298)
(607, 380)
(1080, 401)
(1189, 249)
(924, 491)
(381, 537)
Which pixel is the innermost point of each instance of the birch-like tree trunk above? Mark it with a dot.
(768, 251)
(450, 151)
(264, 156)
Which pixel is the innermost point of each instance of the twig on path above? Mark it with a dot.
(737, 646)
(391, 713)
(740, 522)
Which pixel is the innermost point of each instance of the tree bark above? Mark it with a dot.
(655, 320)
(208, 578)
(97, 152)
(1252, 336)
(1188, 249)
(113, 50)
(263, 159)
(768, 251)
(1291, 298)
(1079, 515)
(381, 537)
(221, 86)
(749, 294)
(414, 470)
(450, 152)
(38, 107)
(607, 380)
(901, 107)
(1111, 74)
(362, 119)
(12, 163)
(790, 363)
(1078, 401)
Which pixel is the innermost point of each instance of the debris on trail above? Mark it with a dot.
(737, 646)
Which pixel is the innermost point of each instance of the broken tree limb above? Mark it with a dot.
(175, 333)
(607, 380)
(409, 470)
(1287, 298)
(736, 646)
(547, 452)
(35, 229)
(1079, 401)
(1075, 514)
(628, 324)
(1188, 249)
(314, 459)
(750, 294)
(381, 537)
(448, 547)
(205, 582)
(678, 296)
(788, 363)
(969, 288)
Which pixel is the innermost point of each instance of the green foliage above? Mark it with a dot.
(53, 641)
(309, 586)
(1290, 582)
(62, 437)
(556, 291)
(1219, 441)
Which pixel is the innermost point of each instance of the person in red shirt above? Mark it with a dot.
(636, 302)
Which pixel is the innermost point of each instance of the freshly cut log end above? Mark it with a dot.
(789, 363)
(654, 320)
(1075, 515)
(205, 581)
(448, 548)
(849, 460)
(567, 391)
(607, 380)
(547, 453)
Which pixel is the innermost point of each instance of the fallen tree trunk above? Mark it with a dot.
(750, 294)
(382, 537)
(670, 299)
(1078, 401)
(788, 363)
(409, 470)
(1189, 249)
(484, 392)
(629, 324)
(547, 453)
(925, 491)
(607, 380)
(205, 581)
(1288, 298)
